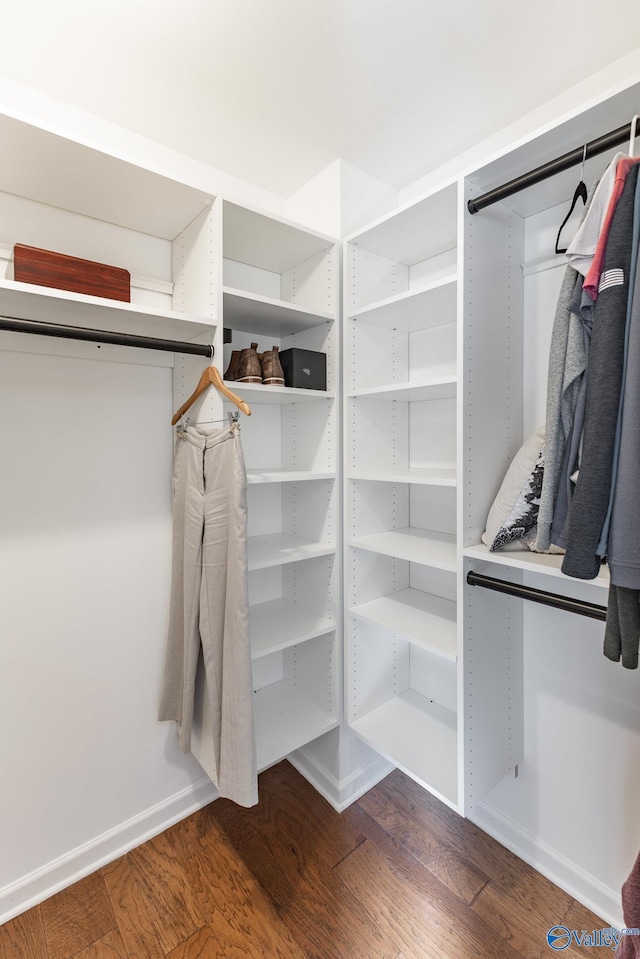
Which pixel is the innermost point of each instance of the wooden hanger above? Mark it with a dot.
(211, 377)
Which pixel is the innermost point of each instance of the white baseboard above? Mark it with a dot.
(38, 885)
(340, 794)
(587, 889)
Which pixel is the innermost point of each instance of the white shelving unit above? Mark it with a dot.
(205, 263)
(280, 289)
(538, 693)
(401, 477)
(136, 219)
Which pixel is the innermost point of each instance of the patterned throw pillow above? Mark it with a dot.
(524, 515)
(514, 481)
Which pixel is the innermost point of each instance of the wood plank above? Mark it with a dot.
(23, 937)
(580, 918)
(304, 815)
(418, 820)
(130, 904)
(412, 906)
(193, 827)
(286, 796)
(74, 918)
(201, 945)
(110, 946)
(172, 908)
(240, 917)
(413, 832)
(325, 917)
(518, 903)
(523, 911)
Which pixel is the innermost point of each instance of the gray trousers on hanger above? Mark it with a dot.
(209, 604)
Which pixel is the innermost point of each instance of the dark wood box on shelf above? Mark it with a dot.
(62, 272)
(304, 369)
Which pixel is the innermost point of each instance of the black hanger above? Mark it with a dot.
(580, 194)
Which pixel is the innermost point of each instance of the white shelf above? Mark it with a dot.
(286, 476)
(267, 241)
(438, 476)
(423, 619)
(422, 229)
(275, 549)
(265, 316)
(26, 301)
(442, 387)
(285, 720)
(543, 563)
(415, 545)
(431, 305)
(277, 625)
(419, 737)
(61, 173)
(276, 395)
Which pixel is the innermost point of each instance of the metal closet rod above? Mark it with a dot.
(552, 168)
(16, 325)
(538, 596)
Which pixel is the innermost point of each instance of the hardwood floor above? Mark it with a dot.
(398, 875)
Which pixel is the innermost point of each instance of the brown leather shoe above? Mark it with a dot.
(231, 370)
(272, 372)
(248, 369)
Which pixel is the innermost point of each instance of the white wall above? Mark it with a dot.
(340, 199)
(85, 513)
(615, 76)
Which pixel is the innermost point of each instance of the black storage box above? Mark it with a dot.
(304, 369)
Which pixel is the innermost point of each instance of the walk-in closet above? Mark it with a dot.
(384, 633)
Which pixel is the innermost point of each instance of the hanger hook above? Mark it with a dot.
(212, 348)
(584, 157)
(633, 133)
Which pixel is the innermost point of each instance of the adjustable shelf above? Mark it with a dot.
(420, 232)
(420, 618)
(423, 546)
(542, 563)
(395, 727)
(255, 476)
(435, 476)
(277, 624)
(443, 387)
(274, 549)
(268, 316)
(277, 395)
(26, 301)
(276, 272)
(418, 309)
(285, 719)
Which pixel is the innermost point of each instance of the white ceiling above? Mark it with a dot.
(274, 90)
